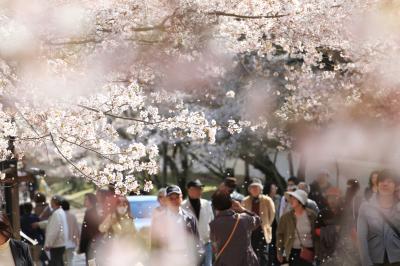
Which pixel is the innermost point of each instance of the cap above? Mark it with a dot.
(174, 189)
(256, 182)
(300, 195)
(194, 183)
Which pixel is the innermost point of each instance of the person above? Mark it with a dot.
(176, 233)
(296, 239)
(201, 209)
(231, 231)
(42, 208)
(12, 252)
(90, 228)
(372, 188)
(318, 188)
(230, 183)
(73, 232)
(378, 224)
(284, 206)
(328, 226)
(310, 203)
(263, 206)
(157, 213)
(56, 232)
(272, 192)
(119, 223)
(27, 220)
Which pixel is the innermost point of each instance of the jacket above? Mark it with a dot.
(205, 217)
(73, 230)
(239, 251)
(90, 230)
(267, 213)
(56, 230)
(375, 235)
(20, 253)
(286, 232)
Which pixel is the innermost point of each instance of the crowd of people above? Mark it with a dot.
(308, 224)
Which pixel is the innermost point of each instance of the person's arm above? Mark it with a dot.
(362, 235)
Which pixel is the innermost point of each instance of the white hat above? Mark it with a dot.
(300, 195)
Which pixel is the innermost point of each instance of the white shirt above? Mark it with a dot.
(205, 217)
(6, 257)
(57, 229)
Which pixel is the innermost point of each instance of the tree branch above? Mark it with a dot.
(226, 14)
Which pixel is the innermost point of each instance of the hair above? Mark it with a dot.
(26, 208)
(5, 226)
(65, 205)
(91, 198)
(39, 197)
(221, 200)
(122, 199)
(370, 185)
(293, 179)
(388, 174)
(57, 200)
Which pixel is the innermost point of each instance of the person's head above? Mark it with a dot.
(292, 183)
(230, 184)
(56, 201)
(162, 197)
(90, 200)
(122, 206)
(353, 186)
(333, 195)
(303, 186)
(221, 200)
(297, 199)
(26, 208)
(39, 198)
(255, 188)
(6, 230)
(174, 196)
(373, 179)
(387, 183)
(194, 189)
(272, 189)
(65, 205)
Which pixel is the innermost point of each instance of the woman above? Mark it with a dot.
(296, 238)
(90, 227)
(12, 252)
(378, 225)
(231, 230)
(119, 223)
(372, 188)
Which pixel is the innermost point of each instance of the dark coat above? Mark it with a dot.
(20, 252)
(90, 230)
(239, 251)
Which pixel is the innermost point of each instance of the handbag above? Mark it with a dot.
(306, 254)
(229, 239)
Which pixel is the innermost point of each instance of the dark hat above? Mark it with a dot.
(194, 183)
(173, 189)
(230, 182)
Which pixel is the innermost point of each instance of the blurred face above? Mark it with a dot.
(322, 179)
(332, 201)
(122, 208)
(87, 203)
(274, 189)
(254, 191)
(386, 187)
(174, 201)
(195, 192)
(294, 202)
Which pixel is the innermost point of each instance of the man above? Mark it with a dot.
(176, 233)
(202, 210)
(230, 185)
(263, 206)
(73, 232)
(56, 233)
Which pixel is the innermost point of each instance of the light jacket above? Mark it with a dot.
(73, 230)
(267, 213)
(375, 235)
(56, 229)
(286, 232)
(205, 217)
